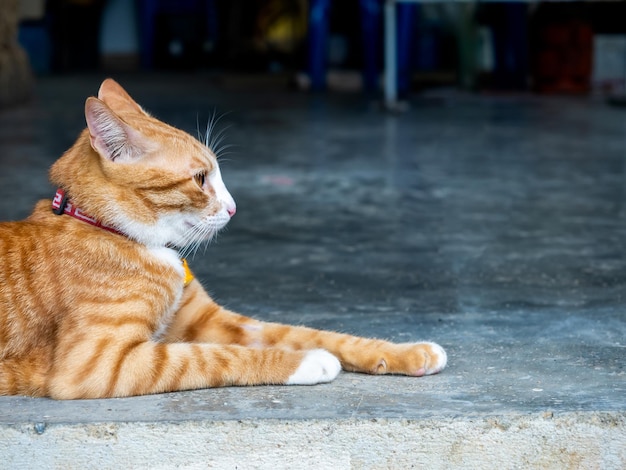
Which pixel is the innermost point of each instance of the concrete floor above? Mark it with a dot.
(494, 225)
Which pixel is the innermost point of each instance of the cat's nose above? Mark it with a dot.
(231, 210)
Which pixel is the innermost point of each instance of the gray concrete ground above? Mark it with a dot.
(494, 225)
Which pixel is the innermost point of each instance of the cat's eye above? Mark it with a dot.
(200, 178)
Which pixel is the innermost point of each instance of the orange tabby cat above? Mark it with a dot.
(95, 301)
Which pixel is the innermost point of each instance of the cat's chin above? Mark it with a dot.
(184, 234)
(194, 238)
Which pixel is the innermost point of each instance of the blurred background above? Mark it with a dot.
(488, 216)
(546, 47)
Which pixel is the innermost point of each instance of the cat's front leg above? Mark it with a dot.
(200, 319)
(371, 356)
(383, 357)
(126, 366)
(317, 366)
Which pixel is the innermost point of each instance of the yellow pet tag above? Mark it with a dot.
(188, 274)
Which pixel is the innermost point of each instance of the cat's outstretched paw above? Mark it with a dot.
(318, 366)
(416, 359)
(437, 359)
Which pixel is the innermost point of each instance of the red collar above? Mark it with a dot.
(61, 204)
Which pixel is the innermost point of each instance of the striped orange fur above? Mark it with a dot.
(91, 313)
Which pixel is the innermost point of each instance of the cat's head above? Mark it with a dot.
(151, 181)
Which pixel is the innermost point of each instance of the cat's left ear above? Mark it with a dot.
(111, 137)
(117, 98)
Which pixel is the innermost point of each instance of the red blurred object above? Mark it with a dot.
(562, 59)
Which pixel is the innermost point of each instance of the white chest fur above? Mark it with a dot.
(170, 257)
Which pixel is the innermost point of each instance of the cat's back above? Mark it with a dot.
(31, 247)
(22, 243)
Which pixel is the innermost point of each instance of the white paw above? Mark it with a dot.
(318, 366)
(437, 366)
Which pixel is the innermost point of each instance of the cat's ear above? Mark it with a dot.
(117, 98)
(111, 137)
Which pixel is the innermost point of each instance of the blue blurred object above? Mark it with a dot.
(34, 38)
(371, 26)
(318, 42)
(510, 39)
(405, 13)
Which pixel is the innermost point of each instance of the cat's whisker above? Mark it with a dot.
(209, 128)
(211, 125)
(221, 157)
(192, 236)
(216, 141)
(218, 149)
(213, 139)
(187, 241)
(196, 236)
(224, 160)
(219, 133)
(198, 127)
(194, 247)
(190, 250)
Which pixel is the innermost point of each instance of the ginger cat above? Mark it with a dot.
(95, 301)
